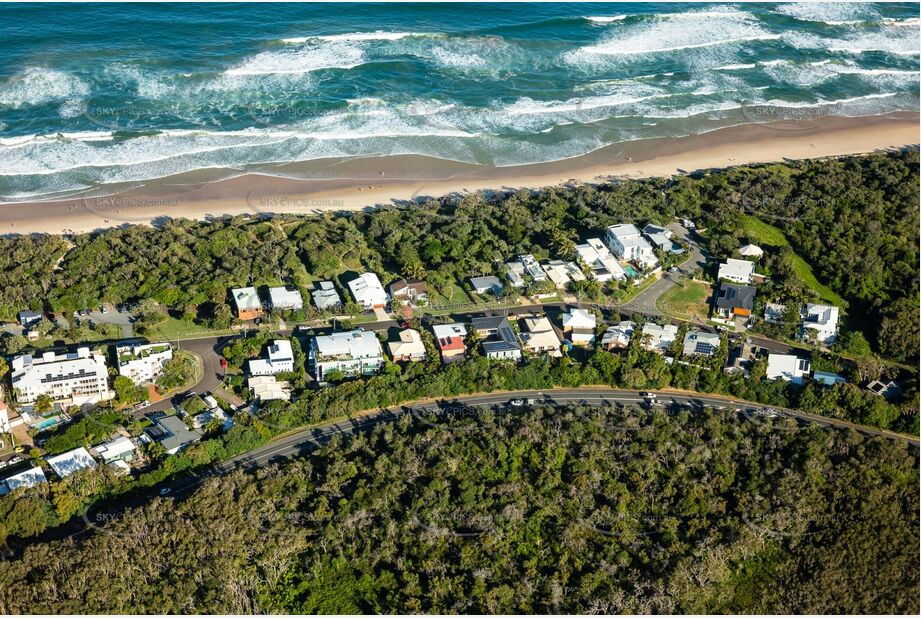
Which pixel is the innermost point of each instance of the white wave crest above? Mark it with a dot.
(355, 36)
(315, 57)
(37, 86)
(606, 19)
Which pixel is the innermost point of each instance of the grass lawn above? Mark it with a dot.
(456, 296)
(689, 302)
(173, 328)
(767, 234)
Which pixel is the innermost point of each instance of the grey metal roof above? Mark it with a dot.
(732, 296)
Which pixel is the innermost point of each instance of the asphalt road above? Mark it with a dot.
(308, 439)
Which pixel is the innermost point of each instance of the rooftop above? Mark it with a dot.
(67, 463)
(732, 296)
(246, 298)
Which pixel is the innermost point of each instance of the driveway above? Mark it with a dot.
(645, 301)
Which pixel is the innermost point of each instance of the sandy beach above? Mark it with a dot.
(342, 185)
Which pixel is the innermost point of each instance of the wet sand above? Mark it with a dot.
(360, 183)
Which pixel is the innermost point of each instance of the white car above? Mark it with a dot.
(517, 402)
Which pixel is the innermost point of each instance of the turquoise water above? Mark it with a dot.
(97, 95)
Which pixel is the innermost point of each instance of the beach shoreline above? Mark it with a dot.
(362, 183)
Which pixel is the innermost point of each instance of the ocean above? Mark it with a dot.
(100, 97)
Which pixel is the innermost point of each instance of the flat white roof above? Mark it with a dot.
(623, 231)
(246, 298)
(355, 343)
(67, 463)
(114, 448)
(821, 315)
(367, 288)
(738, 269)
(283, 297)
(444, 331)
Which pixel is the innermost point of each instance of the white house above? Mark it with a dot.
(787, 367)
(579, 326)
(618, 336)
(659, 338)
(26, 478)
(409, 348)
(514, 272)
(700, 343)
(268, 388)
(820, 323)
(118, 449)
(67, 463)
(77, 377)
(142, 362)
(285, 299)
(625, 242)
(737, 271)
(773, 312)
(280, 359)
(355, 352)
(538, 336)
(561, 273)
(601, 261)
(368, 291)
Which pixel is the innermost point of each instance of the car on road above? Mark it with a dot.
(165, 491)
(223, 363)
(673, 269)
(517, 402)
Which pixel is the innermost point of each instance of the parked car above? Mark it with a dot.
(517, 402)
(165, 491)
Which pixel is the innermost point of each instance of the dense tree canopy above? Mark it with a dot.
(545, 511)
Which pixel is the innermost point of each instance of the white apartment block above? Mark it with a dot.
(737, 271)
(280, 359)
(74, 377)
(626, 242)
(142, 362)
(356, 352)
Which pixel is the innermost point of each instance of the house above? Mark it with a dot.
(828, 378)
(285, 299)
(601, 261)
(652, 229)
(355, 352)
(486, 285)
(409, 348)
(450, 341)
(820, 323)
(170, 432)
(202, 420)
(737, 271)
(28, 317)
(268, 388)
(658, 338)
(561, 273)
(325, 296)
(579, 326)
(246, 302)
(532, 268)
(514, 272)
(734, 300)
(500, 339)
(626, 243)
(280, 359)
(117, 449)
(26, 478)
(741, 358)
(73, 377)
(889, 390)
(67, 463)
(618, 336)
(368, 291)
(539, 337)
(412, 290)
(142, 362)
(700, 343)
(751, 251)
(8, 419)
(787, 367)
(774, 312)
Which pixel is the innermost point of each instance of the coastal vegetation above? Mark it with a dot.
(835, 230)
(544, 510)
